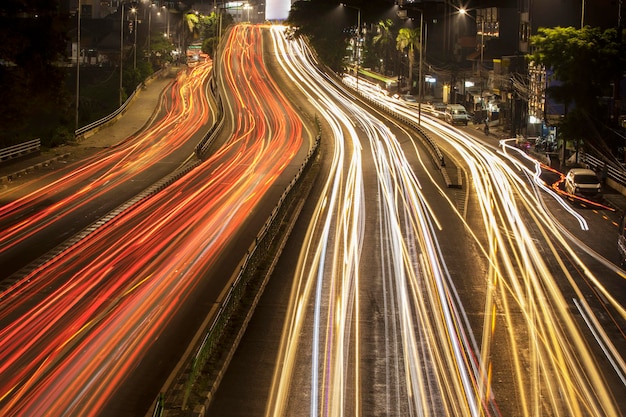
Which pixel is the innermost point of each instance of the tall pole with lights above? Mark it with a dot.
(77, 64)
(149, 29)
(420, 75)
(121, 51)
(482, 46)
(135, 41)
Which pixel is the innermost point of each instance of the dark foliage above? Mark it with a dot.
(33, 101)
(585, 62)
(329, 39)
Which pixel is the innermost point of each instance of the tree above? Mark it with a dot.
(190, 24)
(584, 61)
(162, 49)
(33, 99)
(328, 39)
(209, 28)
(409, 39)
(384, 41)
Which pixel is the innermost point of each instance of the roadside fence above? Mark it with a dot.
(20, 149)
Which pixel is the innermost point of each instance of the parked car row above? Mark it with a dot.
(451, 113)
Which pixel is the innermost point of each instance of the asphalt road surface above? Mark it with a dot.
(408, 298)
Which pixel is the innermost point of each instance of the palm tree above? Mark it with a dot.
(384, 40)
(191, 21)
(409, 39)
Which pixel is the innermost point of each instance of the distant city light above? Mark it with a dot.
(277, 9)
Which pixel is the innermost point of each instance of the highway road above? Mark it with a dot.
(98, 329)
(409, 298)
(57, 206)
(396, 295)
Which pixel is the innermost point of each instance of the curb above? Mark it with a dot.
(10, 177)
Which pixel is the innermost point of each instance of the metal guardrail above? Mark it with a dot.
(20, 149)
(236, 291)
(434, 150)
(35, 144)
(159, 406)
(616, 174)
(82, 130)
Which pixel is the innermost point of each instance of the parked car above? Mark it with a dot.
(455, 113)
(409, 97)
(583, 182)
(440, 110)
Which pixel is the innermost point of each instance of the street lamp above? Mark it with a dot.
(482, 48)
(482, 32)
(134, 11)
(167, 21)
(149, 29)
(420, 74)
(78, 64)
(121, 51)
(358, 41)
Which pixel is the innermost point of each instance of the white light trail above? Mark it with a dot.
(432, 354)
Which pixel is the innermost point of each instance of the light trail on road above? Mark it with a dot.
(529, 259)
(188, 111)
(75, 328)
(428, 363)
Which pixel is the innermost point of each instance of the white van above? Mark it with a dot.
(455, 113)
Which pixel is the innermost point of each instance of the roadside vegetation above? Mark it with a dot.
(586, 68)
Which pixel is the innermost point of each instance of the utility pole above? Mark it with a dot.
(121, 51)
(77, 64)
(135, 41)
(421, 76)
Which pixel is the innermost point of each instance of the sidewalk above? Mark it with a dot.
(140, 111)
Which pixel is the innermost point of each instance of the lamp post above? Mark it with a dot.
(358, 41)
(167, 21)
(582, 15)
(482, 32)
(121, 51)
(77, 64)
(149, 29)
(420, 75)
(134, 10)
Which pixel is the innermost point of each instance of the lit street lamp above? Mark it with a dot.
(482, 32)
(122, 47)
(134, 10)
(482, 48)
(167, 21)
(149, 29)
